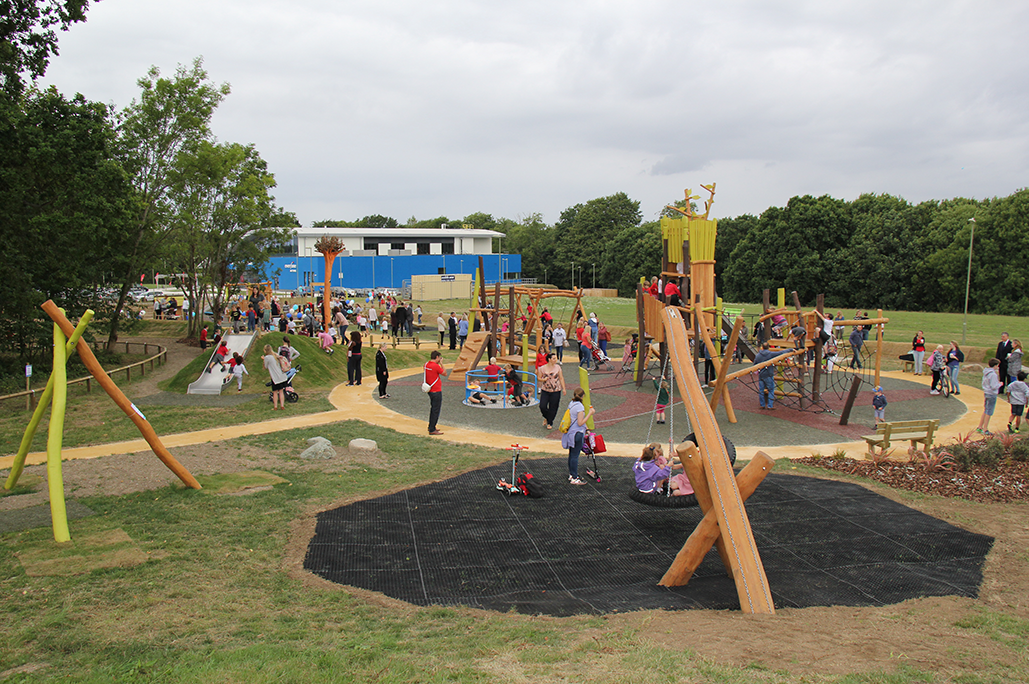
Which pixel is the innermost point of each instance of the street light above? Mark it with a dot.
(968, 282)
(594, 276)
(573, 275)
(391, 273)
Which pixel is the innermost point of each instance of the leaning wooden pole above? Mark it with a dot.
(733, 524)
(94, 367)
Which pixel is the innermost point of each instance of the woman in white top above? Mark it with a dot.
(273, 362)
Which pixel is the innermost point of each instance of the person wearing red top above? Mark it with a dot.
(653, 289)
(219, 357)
(672, 293)
(203, 338)
(434, 374)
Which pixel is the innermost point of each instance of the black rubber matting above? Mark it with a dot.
(591, 549)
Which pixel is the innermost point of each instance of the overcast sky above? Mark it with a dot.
(408, 108)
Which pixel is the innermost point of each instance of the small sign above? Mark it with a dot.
(28, 370)
(447, 278)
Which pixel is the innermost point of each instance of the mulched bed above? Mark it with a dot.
(1004, 483)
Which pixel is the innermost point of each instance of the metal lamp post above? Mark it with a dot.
(594, 276)
(968, 282)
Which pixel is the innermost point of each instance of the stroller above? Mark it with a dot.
(288, 393)
(593, 444)
(599, 357)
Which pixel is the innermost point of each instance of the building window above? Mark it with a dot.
(423, 248)
(447, 247)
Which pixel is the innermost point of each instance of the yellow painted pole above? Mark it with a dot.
(781, 301)
(584, 382)
(44, 400)
(55, 480)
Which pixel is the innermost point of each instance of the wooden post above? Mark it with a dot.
(642, 350)
(766, 303)
(816, 373)
(510, 320)
(851, 397)
(707, 532)
(878, 347)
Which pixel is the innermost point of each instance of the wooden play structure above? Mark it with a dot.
(688, 263)
(67, 338)
(720, 494)
(521, 308)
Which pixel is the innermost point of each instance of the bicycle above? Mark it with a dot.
(946, 384)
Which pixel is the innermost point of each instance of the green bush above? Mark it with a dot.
(1019, 450)
(991, 454)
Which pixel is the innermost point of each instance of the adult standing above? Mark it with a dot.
(585, 346)
(273, 363)
(452, 328)
(552, 384)
(433, 377)
(354, 359)
(766, 377)
(603, 337)
(341, 324)
(955, 357)
(462, 330)
(918, 351)
(856, 342)
(1014, 361)
(382, 370)
(594, 327)
(559, 337)
(1004, 348)
(573, 439)
(441, 327)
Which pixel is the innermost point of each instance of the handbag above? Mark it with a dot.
(425, 377)
(597, 442)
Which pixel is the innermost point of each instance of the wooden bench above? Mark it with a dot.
(913, 431)
(406, 340)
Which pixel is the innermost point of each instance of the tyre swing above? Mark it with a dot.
(665, 499)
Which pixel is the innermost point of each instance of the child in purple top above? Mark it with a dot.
(652, 471)
(650, 475)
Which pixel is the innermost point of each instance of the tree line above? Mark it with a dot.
(877, 251)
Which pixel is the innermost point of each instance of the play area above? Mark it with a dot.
(425, 520)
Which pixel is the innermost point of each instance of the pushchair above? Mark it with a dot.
(288, 393)
(599, 357)
(593, 444)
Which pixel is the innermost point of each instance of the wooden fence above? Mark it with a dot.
(139, 367)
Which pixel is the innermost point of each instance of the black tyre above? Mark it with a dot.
(729, 446)
(292, 397)
(659, 500)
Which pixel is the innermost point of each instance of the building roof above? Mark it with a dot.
(400, 232)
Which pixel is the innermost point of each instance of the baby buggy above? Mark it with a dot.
(288, 393)
(593, 444)
(599, 357)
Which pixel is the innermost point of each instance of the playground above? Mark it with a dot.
(809, 574)
(822, 640)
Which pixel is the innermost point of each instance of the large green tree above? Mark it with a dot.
(170, 115)
(28, 37)
(222, 196)
(586, 235)
(66, 210)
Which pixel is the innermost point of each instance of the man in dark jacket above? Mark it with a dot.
(1003, 349)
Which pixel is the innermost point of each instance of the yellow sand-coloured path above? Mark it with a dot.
(358, 403)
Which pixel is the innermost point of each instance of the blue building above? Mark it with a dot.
(376, 258)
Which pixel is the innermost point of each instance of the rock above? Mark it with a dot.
(366, 444)
(319, 448)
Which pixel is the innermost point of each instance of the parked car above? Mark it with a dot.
(151, 295)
